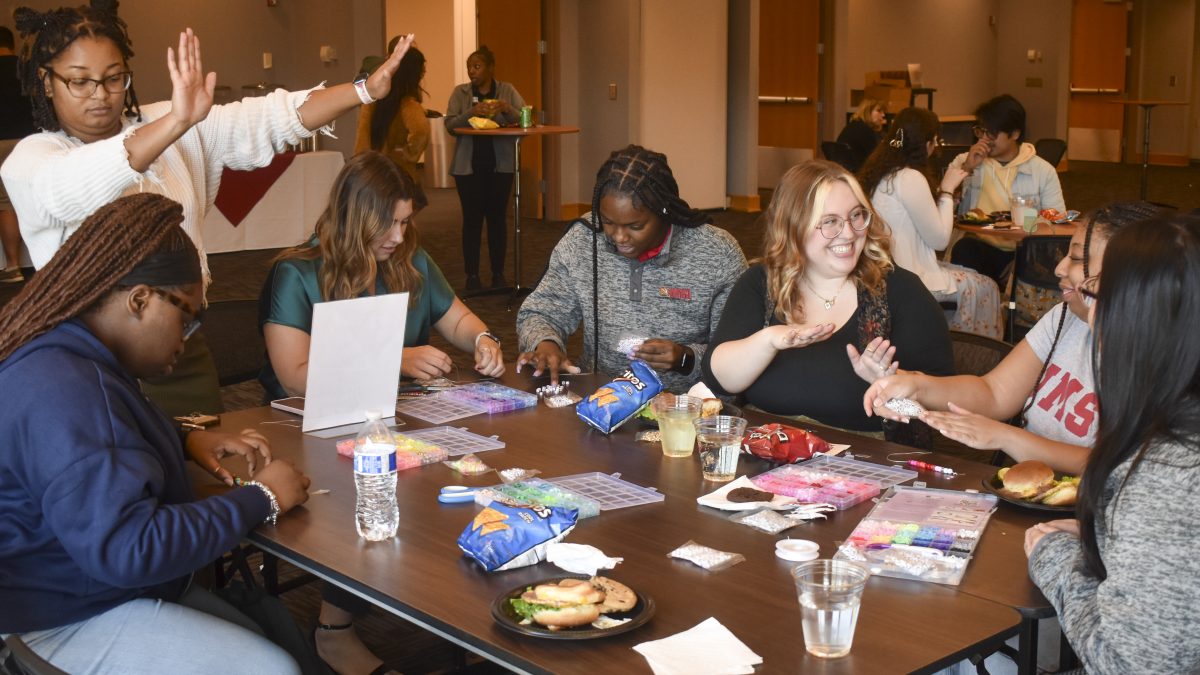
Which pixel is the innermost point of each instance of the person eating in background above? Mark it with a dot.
(818, 317)
(1000, 164)
(862, 132)
(647, 276)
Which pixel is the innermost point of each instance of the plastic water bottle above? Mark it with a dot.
(376, 513)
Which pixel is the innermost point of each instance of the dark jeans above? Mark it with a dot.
(484, 195)
(983, 258)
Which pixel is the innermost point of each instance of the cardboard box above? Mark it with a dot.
(894, 99)
(888, 78)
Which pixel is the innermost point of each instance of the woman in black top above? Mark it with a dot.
(824, 289)
(862, 132)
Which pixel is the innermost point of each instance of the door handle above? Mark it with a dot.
(785, 99)
(1094, 90)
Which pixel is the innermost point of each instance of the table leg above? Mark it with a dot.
(1027, 644)
(1145, 149)
(517, 291)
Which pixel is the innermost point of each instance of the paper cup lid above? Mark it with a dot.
(797, 546)
(796, 557)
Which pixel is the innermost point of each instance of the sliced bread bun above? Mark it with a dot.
(1027, 479)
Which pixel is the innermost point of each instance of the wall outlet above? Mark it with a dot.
(267, 60)
(328, 54)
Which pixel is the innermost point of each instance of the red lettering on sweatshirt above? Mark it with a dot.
(1079, 418)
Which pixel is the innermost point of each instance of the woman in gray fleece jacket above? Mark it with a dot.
(646, 275)
(1123, 575)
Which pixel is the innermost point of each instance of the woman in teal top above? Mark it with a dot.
(365, 243)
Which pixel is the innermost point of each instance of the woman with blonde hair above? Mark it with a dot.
(862, 132)
(824, 289)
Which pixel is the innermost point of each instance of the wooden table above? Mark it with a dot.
(1017, 233)
(518, 133)
(423, 577)
(1147, 105)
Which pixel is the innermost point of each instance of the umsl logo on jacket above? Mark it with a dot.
(1076, 413)
(675, 293)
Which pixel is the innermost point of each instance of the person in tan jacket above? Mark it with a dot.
(396, 124)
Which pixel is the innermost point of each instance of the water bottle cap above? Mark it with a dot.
(373, 415)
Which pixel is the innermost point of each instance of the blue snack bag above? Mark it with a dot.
(620, 399)
(504, 537)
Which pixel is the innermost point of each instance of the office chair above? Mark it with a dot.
(236, 343)
(1034, 286)
(840, 153)
(16, 658)
(1051, 149)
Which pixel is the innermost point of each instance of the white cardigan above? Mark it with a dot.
(920, 226)
(55, 181)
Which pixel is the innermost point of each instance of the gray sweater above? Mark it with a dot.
(678, 295)
(1143, 617)
(458, 114)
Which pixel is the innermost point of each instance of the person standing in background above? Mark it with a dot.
(396, 124)
(483, 167)
(16, 122)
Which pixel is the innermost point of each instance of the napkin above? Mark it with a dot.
(717, 499)
(707, 649)
(580, 558)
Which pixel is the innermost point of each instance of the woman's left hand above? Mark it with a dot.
(207, 448)
(1034, 534)
(380, 81)
(660, 354)
(875, 361)
(970, 429)
(489, 360)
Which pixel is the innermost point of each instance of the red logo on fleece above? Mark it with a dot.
(675, 293)
(1079, 419)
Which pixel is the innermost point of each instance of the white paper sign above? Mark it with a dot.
(354, 359)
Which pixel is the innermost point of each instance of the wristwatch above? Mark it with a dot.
(686, 362)
(360, 86)
(486, 334)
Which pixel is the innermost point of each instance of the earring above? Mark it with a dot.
(898, 141)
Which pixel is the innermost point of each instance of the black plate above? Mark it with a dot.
(507, 617)
(965, 221)
(994, 484)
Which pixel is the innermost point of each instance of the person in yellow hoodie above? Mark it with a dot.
(1000, 165)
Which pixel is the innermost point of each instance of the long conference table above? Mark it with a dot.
(423, 577)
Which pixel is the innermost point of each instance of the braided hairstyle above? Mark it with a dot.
(111, 243)
(644, 176)
(48, 33)
(1107, 221)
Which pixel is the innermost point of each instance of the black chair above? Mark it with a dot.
(973, 355)
(1034, 280)
(16, 658)
(840, 153)
(1051, 149)
(231, 327)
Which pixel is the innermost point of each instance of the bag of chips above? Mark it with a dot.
(781, 443)
(504, 537)
(614, 403)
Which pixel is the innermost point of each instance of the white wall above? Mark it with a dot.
(741, 147)
(682, 106)
(604, 58)
(1167, 46)
(445, 34)
(1022, 25)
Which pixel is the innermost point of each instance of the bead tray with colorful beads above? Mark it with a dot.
(919, 533)
(838, 481)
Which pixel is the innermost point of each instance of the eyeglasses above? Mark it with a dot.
(981, 132)
(1089, 290)
(831, 225)
(190, 327)
(84, 87)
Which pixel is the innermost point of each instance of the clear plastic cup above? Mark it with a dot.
(675, 415)
(830, 593)
(1024, 209)
(719, 442)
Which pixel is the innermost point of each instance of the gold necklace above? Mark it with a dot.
(829, 302)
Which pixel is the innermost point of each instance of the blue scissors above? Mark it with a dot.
(456, 494)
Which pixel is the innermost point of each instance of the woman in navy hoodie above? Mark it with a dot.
(99, 529)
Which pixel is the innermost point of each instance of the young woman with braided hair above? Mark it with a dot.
(645, 261)
(101, 528)
(1047, 378)
(97, 143)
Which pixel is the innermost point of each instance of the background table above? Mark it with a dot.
(517, 133)
(423, 577)
(284, 213)
(1147, 105)
(1016, 233)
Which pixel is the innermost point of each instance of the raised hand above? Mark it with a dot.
(191, 89)
(875, 361)
(976, 155)
(380, 81)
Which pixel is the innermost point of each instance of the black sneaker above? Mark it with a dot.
(498, 281)
(473, 283)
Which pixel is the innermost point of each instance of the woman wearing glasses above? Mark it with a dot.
(97, 143)
(898, 177)
(808, 327)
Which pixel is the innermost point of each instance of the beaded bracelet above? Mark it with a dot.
(270, 496)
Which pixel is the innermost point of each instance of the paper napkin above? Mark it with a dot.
(707, 649)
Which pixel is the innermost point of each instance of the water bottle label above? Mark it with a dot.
(375, 459)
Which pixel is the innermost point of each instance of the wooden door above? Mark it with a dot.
(1099, 40)
(788, 83)
(512, 29)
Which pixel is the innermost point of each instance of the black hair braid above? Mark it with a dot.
(47, 34)
(646, 177)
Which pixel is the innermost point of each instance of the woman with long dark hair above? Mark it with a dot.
(396, 124)
(898, 176)
(1122, 576)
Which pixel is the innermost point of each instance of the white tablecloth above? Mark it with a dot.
(286, 213)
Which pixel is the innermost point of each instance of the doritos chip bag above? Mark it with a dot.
(620, 399)
(781, 443)
(503, 537)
